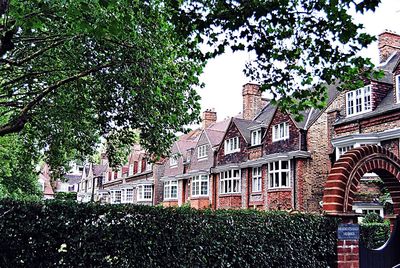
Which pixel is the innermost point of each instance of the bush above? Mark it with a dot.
(374, 235)
(372, 218)
(71, 196)
(68, 234)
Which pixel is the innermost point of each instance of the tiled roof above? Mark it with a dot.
(243, 125)
(72, 179)
(99, 169)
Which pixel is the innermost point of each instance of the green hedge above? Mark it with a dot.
(67, 234)
(374, 235)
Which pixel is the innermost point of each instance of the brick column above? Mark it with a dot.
(348, 250)
(348, 255)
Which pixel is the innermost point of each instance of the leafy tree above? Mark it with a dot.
(18, 176)
(76, 70)
(299, 45)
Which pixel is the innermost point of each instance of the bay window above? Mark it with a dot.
(170, 190)
(279, 174)
(230, 181)
(200, 185)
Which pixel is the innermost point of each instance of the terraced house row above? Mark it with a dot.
(263, 158)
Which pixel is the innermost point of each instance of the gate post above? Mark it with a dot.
(347, 248)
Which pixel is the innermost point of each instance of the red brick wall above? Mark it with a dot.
(392, 145)
(170, 203)
(291, 144)
(237, 157)
(255, 152)
(200, 203)
(252, 103)
(280, 199)
(379, 91)
(230, 201)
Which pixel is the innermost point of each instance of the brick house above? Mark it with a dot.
(136, 182)
(176, 180)
(90, 184)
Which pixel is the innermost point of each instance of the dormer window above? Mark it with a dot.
(280, 131)
(149, 166)
(256, 137)
(173, 161)
(139, 167)
(130, 172)
(202, 151)
(232, 145)
(358, 101)
(397, 85)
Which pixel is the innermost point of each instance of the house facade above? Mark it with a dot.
(267, 160)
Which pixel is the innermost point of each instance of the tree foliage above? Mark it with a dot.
(298, 45)
(73, 71)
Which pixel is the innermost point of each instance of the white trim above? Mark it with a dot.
(202, 152)
(141, 195)
(256, 175)
(278, 174)
(168, 185)
(360, 94)
(196, 184)
(228, 182)
(232, 145)
(276, 129)
(257, 137)
(368, 138)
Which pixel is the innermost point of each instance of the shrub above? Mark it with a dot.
(68, 234)
(372, 218)
(374, 235)
(71, 196)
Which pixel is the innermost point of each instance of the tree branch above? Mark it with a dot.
(18, 123)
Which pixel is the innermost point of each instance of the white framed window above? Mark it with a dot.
(129, 195)
(342, 150)
(202, 151)
(200, 185)
(145, 193)
(358, 101)
(149, 166)
(256, 137)
(279, 174)
(170, 190)
(116, 196)
(280, 131)
(397, 84)
(119, 174)
(256, 179)
(173, 160)
(232, 145)
(130, 172)
(230, 182)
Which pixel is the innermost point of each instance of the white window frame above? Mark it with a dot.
(149, 166)
(275, 175)
(230, 182)
(397, 85)
(114, 195)
(173, 161)
(359, 99)
(119, 174)
(202, 151)
(130, 172)
(232, 145)
(256, 181)
(143, 192)
(169, 193)
(280, 131)
(343, 149)
(126, 195)
(200, 185)
(139, 169)
(256, 137)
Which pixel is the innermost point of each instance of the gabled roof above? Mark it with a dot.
(243, 126)
(72, 179)
(99, 169)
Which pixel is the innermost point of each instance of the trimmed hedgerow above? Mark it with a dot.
(66, 234)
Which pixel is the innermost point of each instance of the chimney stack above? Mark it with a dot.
(388, 42)
(209, 118)
(252, 102)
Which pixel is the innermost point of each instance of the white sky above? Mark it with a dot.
(224, 78)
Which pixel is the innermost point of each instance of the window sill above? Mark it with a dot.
(284, 139)
(170, 199)
(226, 153)
(360, 113)
(197, 197)
(279, 189)
(229, 194)
(202, 159)
(255, 146)
(256, 193)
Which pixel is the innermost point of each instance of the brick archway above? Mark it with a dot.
(346, 174)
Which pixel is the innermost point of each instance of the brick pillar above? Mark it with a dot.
(348, 250)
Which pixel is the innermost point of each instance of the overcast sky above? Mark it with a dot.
(224, 78)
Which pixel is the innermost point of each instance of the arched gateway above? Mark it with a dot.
(340, 189)
(346, 174)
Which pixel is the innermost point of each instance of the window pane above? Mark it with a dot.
(285, 164)
(284, 179)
